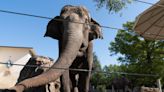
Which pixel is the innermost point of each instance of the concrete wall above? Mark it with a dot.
(8, 76)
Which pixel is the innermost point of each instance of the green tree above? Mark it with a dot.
(101, 88)
(101, 77)
(96, 63)
(111, 73)
(98, 77)
(138, 55)
(112, 5)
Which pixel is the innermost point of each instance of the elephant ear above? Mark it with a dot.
(54, 28)
(95, 30)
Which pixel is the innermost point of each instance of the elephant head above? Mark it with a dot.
(75, 30)
(42, 64)
(55, 26)
(89, 27)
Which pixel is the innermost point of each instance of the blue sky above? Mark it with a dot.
(16, 30)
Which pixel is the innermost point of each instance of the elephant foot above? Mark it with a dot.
(17, 88)
(76, 89)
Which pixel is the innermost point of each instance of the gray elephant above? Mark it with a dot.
(76, 38)
(28, 72)
(121, 83)
(83, 60)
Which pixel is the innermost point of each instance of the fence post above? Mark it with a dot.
(113, 89)
(159, 84)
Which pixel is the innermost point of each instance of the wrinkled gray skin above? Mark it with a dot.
(83, 60)
(28, 72)
(74, 42)
(69, 80)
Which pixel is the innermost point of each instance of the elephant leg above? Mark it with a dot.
(84, 80)
(74, 81)
(83, 83)
(84, 77)
(65, 82)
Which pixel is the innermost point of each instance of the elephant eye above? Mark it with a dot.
(87, 26)
(86, 20)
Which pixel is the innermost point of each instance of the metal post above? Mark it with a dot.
(113, 89)
(159, 84)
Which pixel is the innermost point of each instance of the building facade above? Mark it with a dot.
(9, 73)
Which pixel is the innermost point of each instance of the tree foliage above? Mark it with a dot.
(102, 77)
(111, 73)
(138, 55)
(112, 5)
(98, 78)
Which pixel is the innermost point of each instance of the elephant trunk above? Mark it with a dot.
(72, 40)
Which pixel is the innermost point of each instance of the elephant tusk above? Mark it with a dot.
(37, 69)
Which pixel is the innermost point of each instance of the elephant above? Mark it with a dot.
(77, 31)
(121, 83)
(42, 64)
(83, 60)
